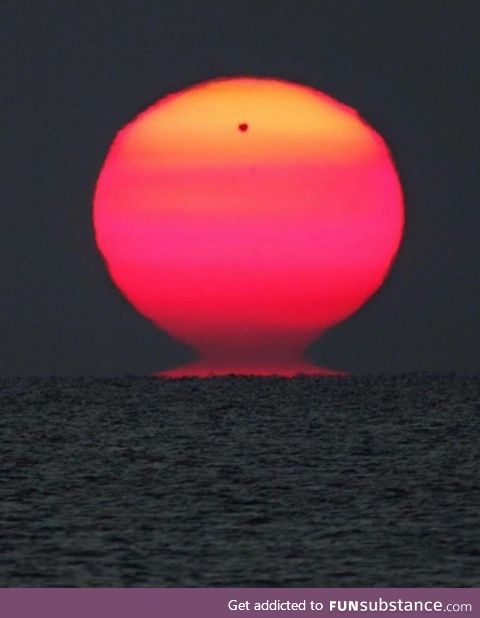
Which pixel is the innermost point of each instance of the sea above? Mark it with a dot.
(356, 481)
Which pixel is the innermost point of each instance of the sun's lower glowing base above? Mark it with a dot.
(204, 370)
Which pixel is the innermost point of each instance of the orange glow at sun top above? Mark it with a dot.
(196, 128)
(246, 216)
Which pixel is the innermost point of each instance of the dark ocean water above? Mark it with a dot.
(358, 481)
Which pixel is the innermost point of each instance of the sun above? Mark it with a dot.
(245, 216)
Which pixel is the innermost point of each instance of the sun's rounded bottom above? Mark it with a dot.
(205, 370)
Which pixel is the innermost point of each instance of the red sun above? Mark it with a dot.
(245, 216)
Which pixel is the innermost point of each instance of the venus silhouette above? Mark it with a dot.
(245, 216)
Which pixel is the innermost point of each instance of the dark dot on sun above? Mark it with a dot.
(243, 126)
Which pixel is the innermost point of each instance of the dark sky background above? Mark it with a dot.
(75, 72)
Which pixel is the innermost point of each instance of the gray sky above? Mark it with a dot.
(76, 72)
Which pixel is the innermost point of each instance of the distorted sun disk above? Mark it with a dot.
(246, 243)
